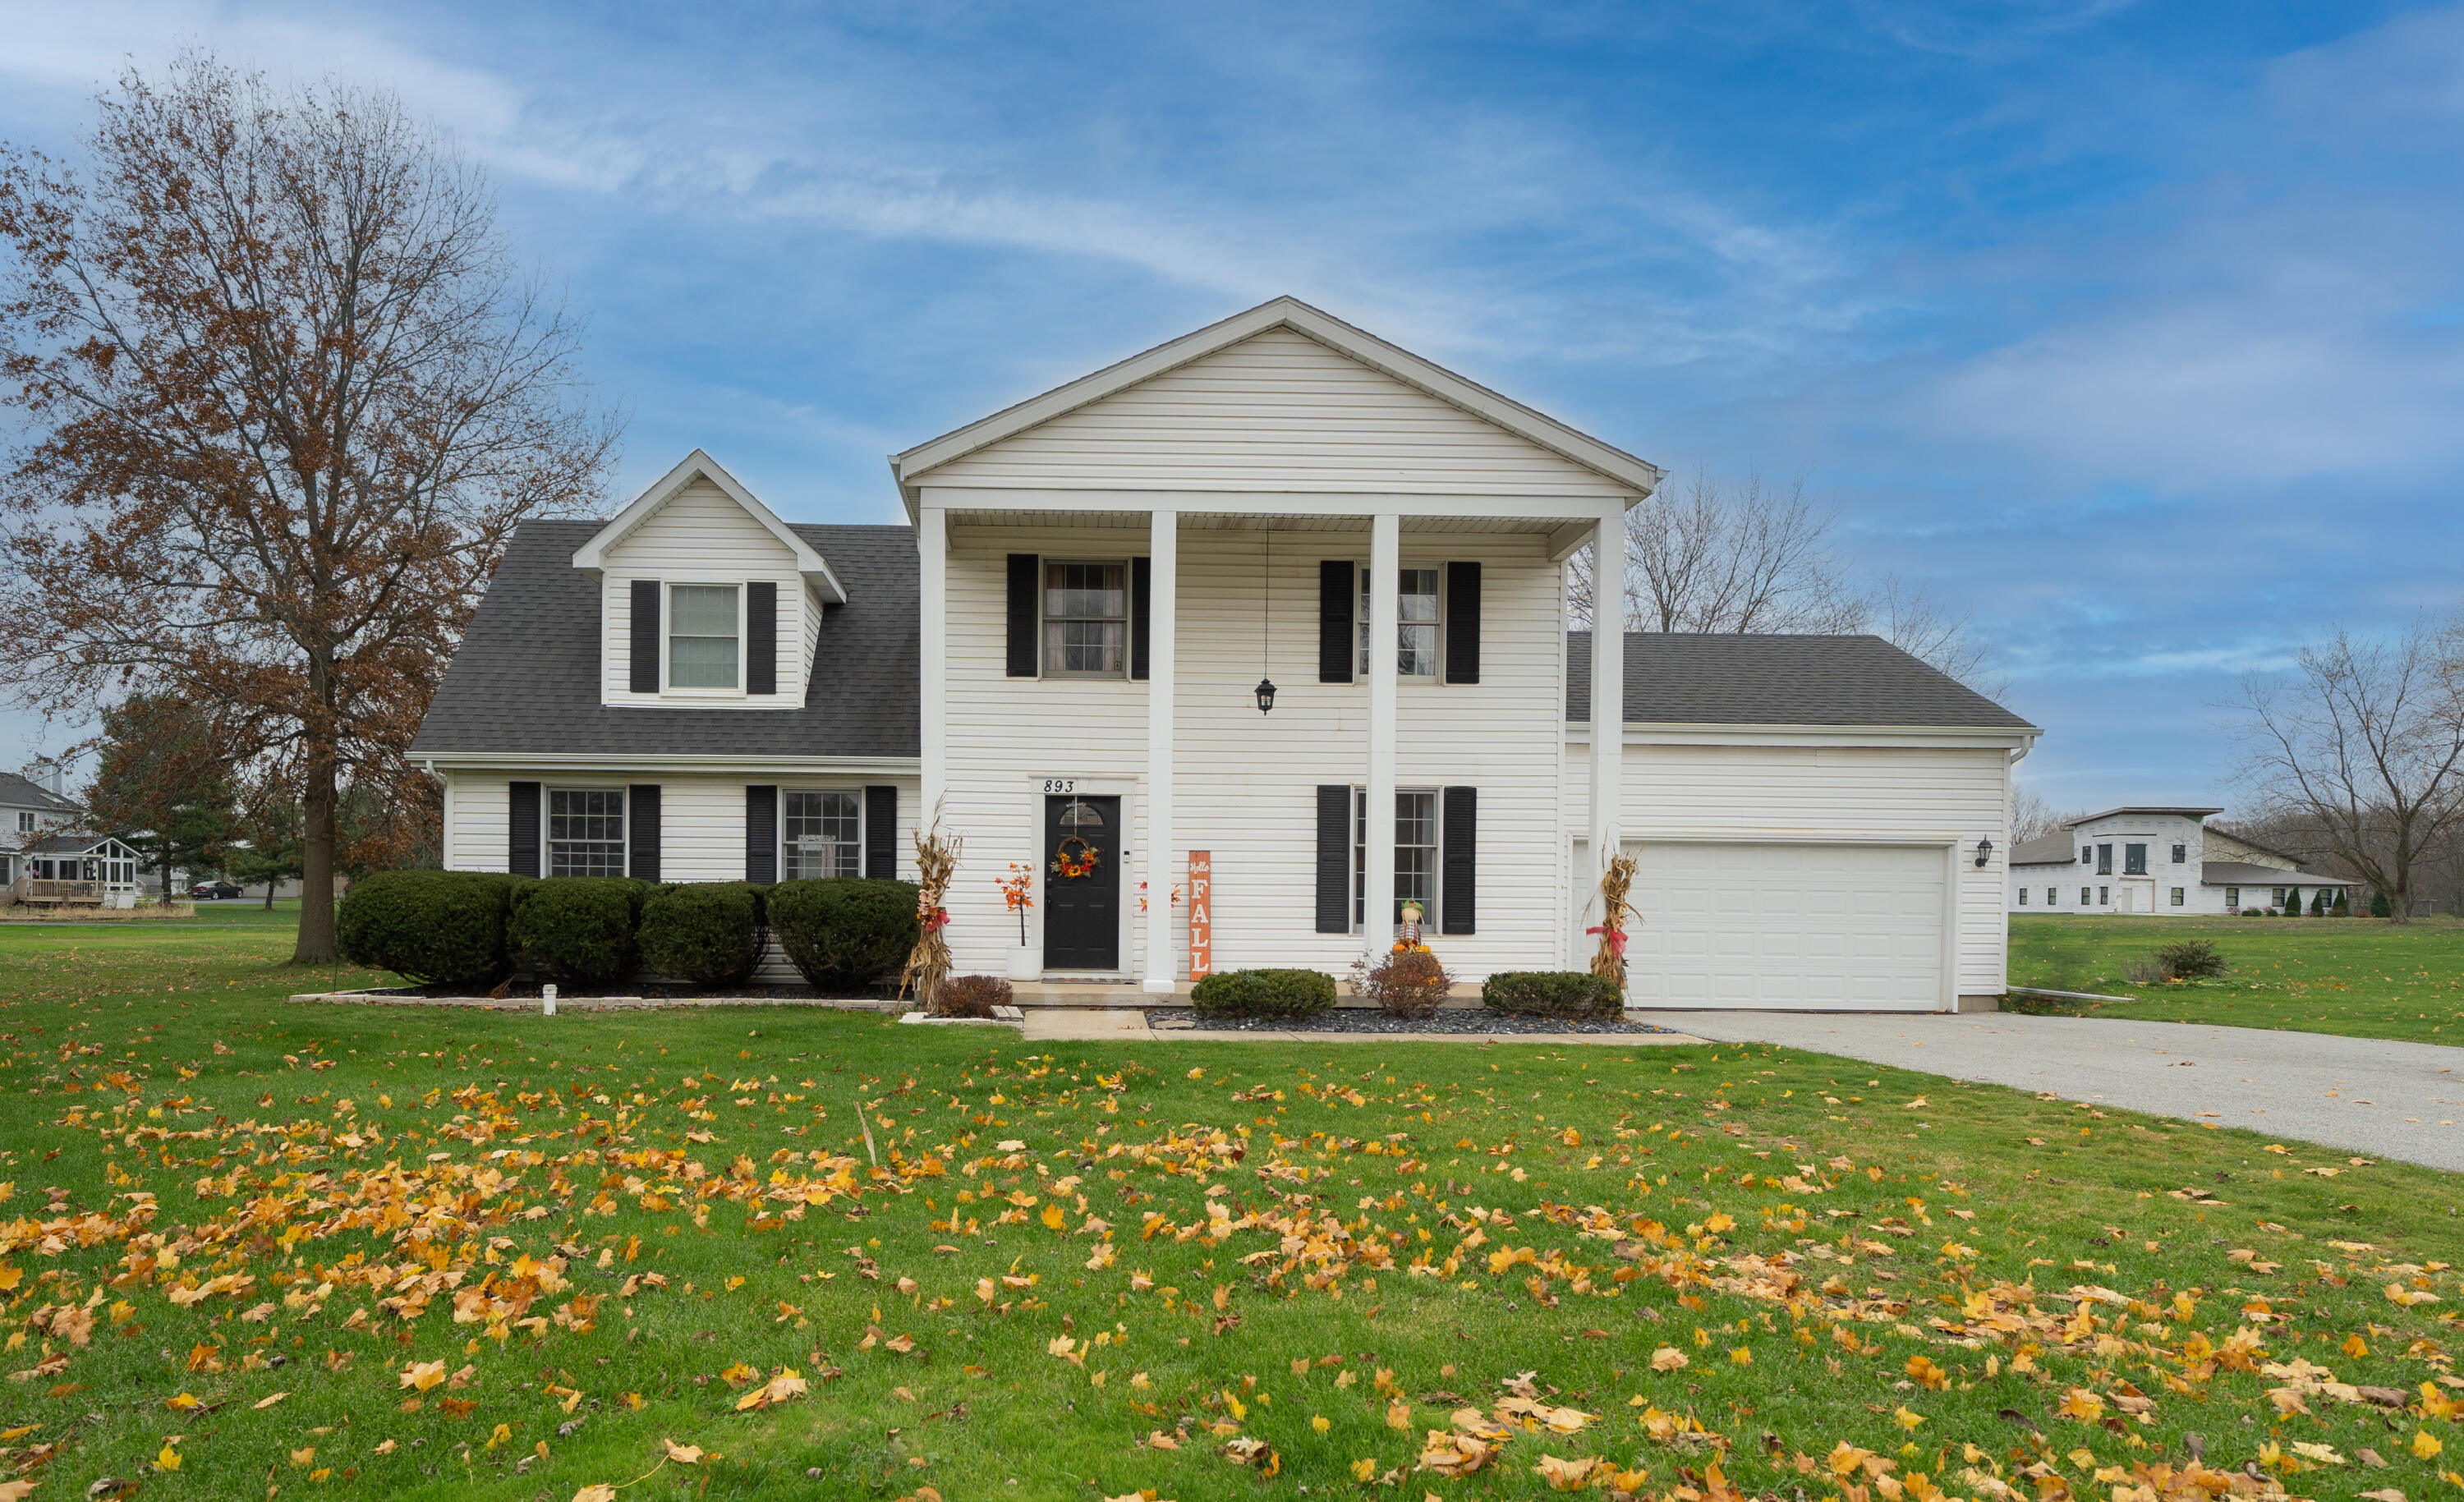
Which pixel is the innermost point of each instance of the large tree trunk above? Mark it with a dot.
(317, 945)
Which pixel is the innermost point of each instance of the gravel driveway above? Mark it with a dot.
(2367, 1096)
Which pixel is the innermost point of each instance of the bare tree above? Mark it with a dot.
(283, 401)
(1748, 558)
(2032, 816)
(2365, 741)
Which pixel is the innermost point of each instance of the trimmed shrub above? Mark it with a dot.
(1407, 983)
(845, 933)
(577, 930)
(1550, 993)
(706, 933)
(1297, 995)
(2379, 907)
(2318, 903)
(2192, 960)
(974, 996)
(2344, 907)
(437, 928)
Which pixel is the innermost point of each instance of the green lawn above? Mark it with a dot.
(404, 1252)
(2361, 977)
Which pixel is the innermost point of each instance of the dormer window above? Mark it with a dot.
(704, 632)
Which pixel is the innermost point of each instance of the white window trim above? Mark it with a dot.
(1359, 877)
(668, 687)
(1437, 676)
(1128, 618)
(547, 822)
(863, 826)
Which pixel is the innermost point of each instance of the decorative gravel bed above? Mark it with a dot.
(1451, 1022)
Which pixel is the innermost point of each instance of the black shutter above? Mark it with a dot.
(881, 832)
(1459, 861)
(1141, 580)
(1022, 571)
(1462, 626)
(761, 633)
(1336, 646)
(642, 831)
(761, 834)
(646, 635)
(1334, 856)
(522, 829)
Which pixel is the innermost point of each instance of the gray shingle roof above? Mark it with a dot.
(526, 678)
(16, 792)
(1674, 679)
(2243, 873)
(2045, 850)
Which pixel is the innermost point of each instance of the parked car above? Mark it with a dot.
(215, 890)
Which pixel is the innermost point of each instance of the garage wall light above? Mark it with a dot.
(1984, 851)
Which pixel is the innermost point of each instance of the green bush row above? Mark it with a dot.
(1308, 994)
(468, 928)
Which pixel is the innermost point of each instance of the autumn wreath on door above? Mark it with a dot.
(1073, 858)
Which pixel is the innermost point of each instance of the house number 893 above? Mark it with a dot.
(1060, 784)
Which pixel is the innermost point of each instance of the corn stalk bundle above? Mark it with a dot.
(927, 964)
(1608, 962)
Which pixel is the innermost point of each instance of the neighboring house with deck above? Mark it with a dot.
(66, 870)
(2152, 860)
(1278, 592)
(33, 803)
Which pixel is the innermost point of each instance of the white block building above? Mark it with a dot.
(2151, 861)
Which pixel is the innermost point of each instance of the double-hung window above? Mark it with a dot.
(823, 835)
(2104, 860)
(2053, 897)
(2134, 860)
(2023, 897)
(585, 832)
(2181, 853)
(2177, 897)
(1416, 618)
(1086, 620)
(1416, 855)
(25, 821)
(2083, 897)
(702, 636)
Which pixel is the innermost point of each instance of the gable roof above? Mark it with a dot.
(1290, 313)
(1674, 678)
(72, 844)
(699, 464)
(527, 678)
(2242, 873)
(18, 792)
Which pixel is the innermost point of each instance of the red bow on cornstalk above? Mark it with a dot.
(1608, 963)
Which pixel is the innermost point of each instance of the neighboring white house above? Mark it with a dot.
(33, 803)
(2150, 860)
(1229, 597)
(74, 870)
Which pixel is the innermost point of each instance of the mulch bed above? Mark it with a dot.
(1450, 1022)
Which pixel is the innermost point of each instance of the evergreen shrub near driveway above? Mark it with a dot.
(705, 932)
(437, 928)
(845, 933)
(1294, 994)
(1550, 993)
(579, 929)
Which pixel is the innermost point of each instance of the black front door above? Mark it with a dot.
(1082, 884)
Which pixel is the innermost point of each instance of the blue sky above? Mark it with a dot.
(2135, 330)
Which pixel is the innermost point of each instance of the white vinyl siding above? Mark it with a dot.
(701, 815)
(1276, 411)
(700, 536)
(1247, 781)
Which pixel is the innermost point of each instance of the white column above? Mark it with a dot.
(1385, 564)
(1608, 708)
(1163, 605)
(933, 564)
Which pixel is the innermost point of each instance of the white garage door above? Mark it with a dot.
(1810, 927)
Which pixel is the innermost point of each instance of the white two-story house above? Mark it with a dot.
(2151, 861)
(33, 804)
(1278, 601)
